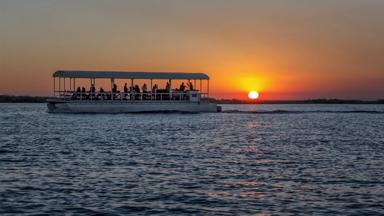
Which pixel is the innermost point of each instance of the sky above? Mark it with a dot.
(284, 49)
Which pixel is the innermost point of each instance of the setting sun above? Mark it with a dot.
(253, 95)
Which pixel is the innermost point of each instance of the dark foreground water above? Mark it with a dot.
(270, 159)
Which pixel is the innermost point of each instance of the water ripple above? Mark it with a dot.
(322, 160)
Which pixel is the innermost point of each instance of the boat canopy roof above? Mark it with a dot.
(129, 75)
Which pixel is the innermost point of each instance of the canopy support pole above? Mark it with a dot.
(90, 90)
(170, 89)
(112, 93)
(208, 89)
(54, 87)
(131, 90)
(151, 89)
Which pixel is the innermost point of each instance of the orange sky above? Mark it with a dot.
(283, 49)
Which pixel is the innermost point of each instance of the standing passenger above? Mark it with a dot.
(92, 91)
(182, 87)
(137, 92)
(83, 93)
(154, 91)
(190, 86)
(144, 88)
(78, 93)
(154, 88)
(125, 90)
(168, 89)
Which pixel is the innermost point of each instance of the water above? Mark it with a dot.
(268, 159)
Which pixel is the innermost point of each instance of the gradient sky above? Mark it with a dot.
(285, 49)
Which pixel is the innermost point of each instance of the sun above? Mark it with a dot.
(253, 95)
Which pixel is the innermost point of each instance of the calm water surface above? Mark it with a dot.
(270, 159)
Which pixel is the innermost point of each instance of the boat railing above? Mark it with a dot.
(195, 96)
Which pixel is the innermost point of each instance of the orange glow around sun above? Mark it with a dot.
(253, 95)
(249, 86)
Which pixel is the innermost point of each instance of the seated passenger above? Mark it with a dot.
(76, 95)
(137, 89)
(101, 93)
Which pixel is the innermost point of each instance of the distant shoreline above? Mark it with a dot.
(308, 101)
(41, 99)
(22, 99)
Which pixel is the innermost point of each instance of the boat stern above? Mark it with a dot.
(55, 105)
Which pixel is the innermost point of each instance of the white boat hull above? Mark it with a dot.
(129, 107)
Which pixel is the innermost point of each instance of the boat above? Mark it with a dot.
(69, 99)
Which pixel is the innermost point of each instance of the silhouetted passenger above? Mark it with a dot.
(125, 88)
(92, 91)
(144, 88)
(190, 86)
(182, 87)
(145, 91)
(132, 92)
(154, 91)
(154, 88)
(76, 95)
(101, 93)
(114, 88)
(137, 89)
(83, 93)
(168, 90)
(78, 92)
